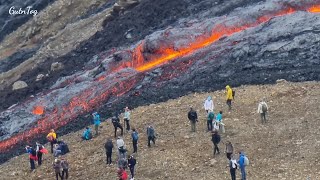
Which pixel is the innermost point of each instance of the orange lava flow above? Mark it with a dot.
(202, 42)
(38, 110)
(314, 9)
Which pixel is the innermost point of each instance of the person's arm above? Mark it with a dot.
(212, 105)
(259, 107)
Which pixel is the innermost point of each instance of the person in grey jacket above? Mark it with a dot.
(65, 168)
(229, 149)
(151, 135)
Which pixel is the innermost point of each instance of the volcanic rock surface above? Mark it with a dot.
(254, 44)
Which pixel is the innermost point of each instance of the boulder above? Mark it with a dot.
(56, 66)
(19, 85)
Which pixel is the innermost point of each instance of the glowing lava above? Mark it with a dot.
(38, 110)
(84, 101)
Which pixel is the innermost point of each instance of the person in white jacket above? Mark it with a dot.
(262, 110)
(208, 104)
(121, 147)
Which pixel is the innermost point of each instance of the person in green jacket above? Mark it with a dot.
(210, 119)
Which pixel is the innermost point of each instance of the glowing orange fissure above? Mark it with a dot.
(202, 42)
(64, 115)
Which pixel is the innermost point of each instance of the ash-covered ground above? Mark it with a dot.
(257, 44)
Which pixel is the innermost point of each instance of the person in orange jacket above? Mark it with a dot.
(229, 96)
(52, 138)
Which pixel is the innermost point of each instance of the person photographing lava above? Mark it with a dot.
(96, 121)
(52, 138)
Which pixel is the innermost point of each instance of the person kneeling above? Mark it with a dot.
(87, 135)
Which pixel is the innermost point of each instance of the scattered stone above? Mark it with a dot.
(39, 77)
(19, 85)
(56, 66)
(279, 81)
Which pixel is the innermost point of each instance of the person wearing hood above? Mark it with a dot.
(229, 96)
(96, 121)
(242, 165)
(151, 135)
(87, 135)
(262, 110)
(216, 138)
(208, 104)
(109, 146)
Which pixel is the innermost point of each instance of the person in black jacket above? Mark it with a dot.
(193, 118)
(131, 163)
(215, 139)
(116, 124)
(109, 146)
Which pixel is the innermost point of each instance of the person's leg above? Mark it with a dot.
(214, 148)
(128, 125)
(32, 165)
(115, 131)
(96, 127)
(208, 125)
(154, 140)
(121, 129)
(218, 149)
(193, 126)
(265, 117)
(39, 158)
(233, 174)
(135, 147)
(243, 173)
(149, 139)
(67, 173)
(51, 144)
(60, 175)
(261, 115)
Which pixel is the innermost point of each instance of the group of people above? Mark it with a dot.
(124, 161)
(218, 125)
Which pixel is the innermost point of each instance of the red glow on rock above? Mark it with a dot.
(38, 110)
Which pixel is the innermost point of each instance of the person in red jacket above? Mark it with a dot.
(122, 174)
(32, 156)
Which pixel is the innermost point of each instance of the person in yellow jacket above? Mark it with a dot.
(229, 96)
(52, 138)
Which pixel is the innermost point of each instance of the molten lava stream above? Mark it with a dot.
(314, 9)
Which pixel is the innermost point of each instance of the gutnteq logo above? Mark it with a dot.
(28, 11)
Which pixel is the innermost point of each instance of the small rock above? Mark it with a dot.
(56, 66)
(39, 77)
(279, 81)
(19, 85)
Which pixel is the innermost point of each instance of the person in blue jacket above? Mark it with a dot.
(242, 165)
(96, 121)
(87, 134)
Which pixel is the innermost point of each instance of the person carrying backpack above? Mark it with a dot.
(52, 138)
(32, 157)
(96, 122)
(193, 118)
(116, 124)
(40, 150)
(65, 168)
(109, 146)
(210, 120)
(121, 148)
(233, 166)
(151, 135)
(131, 163)
(208, 104)
(216, 140)
(135, 138)
(263, 109)
(243, 162)
(229, 96)
(127, 117)
(87, 135)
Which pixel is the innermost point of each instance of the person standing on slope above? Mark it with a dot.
(127, 117)
(96, 122)
(229, 149)
(193, 118)
(229, 96)
(210, 120)
(151, 135)
(40, 149)
(131, 163)
(109, 146)
(135, 138)
(57, 168)
(263, 109)
(116, 124)
(208, 104)
(65, 168)
(52, 138)
(233, 166)
(242, 165)
(32, 157)
(215, 140)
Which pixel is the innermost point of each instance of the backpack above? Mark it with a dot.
(33, 152)
(264, 108)
(135, 136)
(246, 161)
